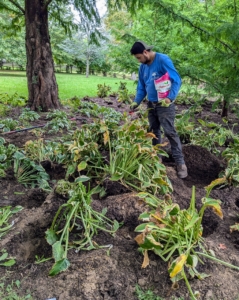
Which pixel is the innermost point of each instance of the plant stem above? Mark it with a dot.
(188, 285)
(218, 260)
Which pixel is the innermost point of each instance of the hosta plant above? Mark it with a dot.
(28, 115)
(175, 235)
(75, 225)
(30, 174)
(228, 177)
(6, 155)
(59, 121)
(6, 212)
(8, 124)
(134, 161)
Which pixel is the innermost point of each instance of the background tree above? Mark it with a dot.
(42, 86)
(201, 37)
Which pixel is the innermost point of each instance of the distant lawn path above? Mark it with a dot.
(70, 85)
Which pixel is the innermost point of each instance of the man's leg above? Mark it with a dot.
(166, 116)
(154, 124)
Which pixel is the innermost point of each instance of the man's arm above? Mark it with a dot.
(141, 90)
(168, 66)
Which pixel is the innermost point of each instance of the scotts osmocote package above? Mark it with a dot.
(162, 86)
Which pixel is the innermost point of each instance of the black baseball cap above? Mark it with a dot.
(139, 47)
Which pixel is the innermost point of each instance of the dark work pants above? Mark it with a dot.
(158, 117)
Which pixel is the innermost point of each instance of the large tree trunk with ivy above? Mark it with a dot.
(42, 86)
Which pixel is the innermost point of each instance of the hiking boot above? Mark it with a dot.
(182, 171)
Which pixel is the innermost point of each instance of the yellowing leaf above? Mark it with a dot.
(146, 259)
(218, 211)
(151, 135)
(179, 263)
(234, 227)
(140, 238)
(82, 166)
(106, 137)
(214, 183)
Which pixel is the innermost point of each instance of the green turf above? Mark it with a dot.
(70, 85)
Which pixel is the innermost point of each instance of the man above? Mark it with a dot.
(153, 66)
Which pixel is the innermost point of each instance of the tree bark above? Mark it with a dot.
(42, 86)
(87, 65)
(225, 105)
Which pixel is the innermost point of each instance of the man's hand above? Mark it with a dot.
(133, 106)
(166, 102)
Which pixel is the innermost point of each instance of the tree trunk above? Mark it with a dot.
(42, 86)
(87, 65)
(225, 105)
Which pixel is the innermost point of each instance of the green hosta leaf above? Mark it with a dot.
(51, 237)
(2, 140)
(175, 210)
(3, 256)
(192, 222)
(116, 177)
(115, 226)
(57, 251)
(16, 209)
(152, 201)
(82, 166)
(222, 140)
(8, 263)
(18, 155)
(70, 170)
(235, 177)
(141, 227)
(3, 157)
(144, 216)
(192, 261)
(82, 178)
(59, 266)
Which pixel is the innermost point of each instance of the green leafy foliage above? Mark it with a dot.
(8, 124)
(12, 100)
(28, 173)
(5, 214)
(123, 93)
(11, 291)
(6, 155)
(103, 90)
(146, 295)
(77, 214)
(58, 121)
(28, 115)
(133, 161)
(102, 112)
(168, 231)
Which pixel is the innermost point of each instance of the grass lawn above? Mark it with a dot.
(70, 85)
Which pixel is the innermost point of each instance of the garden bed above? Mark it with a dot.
(113, 271)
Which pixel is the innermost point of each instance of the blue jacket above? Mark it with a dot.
(148, 73)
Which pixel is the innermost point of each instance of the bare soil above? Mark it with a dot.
(102, 274)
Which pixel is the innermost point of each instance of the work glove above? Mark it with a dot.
(164, 102)
(133, 106)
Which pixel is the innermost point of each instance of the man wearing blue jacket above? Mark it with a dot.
(161, 111)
